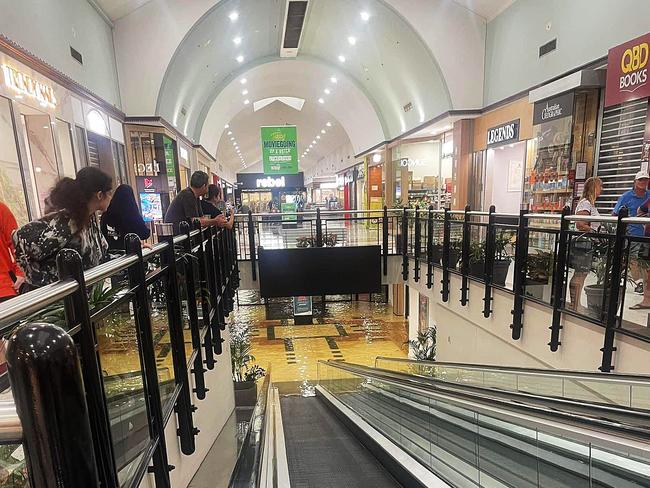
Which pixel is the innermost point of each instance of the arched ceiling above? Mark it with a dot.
(388, 66)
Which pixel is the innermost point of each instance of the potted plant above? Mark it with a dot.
(539, 270)
(423, 346)
(244, 375)
(596, 299)
(502, 258)
(477, 259)
(455, 251)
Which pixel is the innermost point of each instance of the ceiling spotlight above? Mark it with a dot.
(320, 100)
(334, 80)
(240, 59)
(317, 137)
(244, 92)
(232, 138)
(329, 124)
(237, 41)
(352, 40)
(365, 16)
(310, 146)
(327, 91)
(229, 132)
(227, 126)
(243, 81)
(314, 141)
(234, 15)
(247, 101)
(341, 58)
(322, 131)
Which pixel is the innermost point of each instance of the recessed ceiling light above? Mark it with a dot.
(232, 138)
(227, 126)
(243, 81)
(320, 100)
(352, 40)
(247, 101)
(327, 91)
(310, 146)
(234, 15)
(240, 59)
(317, 137)
(229, 132)
(237, 41)
(322, 131)
(244, 92)
(365, 16)
(334, 80)
(329, 124)
(341, 58)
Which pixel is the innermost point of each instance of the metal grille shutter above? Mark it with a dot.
(619, 156)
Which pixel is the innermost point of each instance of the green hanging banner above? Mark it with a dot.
(280, 150)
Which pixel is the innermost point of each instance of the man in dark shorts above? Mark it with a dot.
(186, 206)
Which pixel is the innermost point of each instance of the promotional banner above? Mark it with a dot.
(288, 210)
(279, 150)
(627, 71)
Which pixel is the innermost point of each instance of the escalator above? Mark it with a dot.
(407, 423)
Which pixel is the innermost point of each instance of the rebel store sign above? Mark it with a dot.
(627, 71)
(503, 134)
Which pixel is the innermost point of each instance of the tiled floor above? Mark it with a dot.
(355, 332)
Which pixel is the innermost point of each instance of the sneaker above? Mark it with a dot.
(639, 288)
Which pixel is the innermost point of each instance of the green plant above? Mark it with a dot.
(539, 266)
(240, 355)
(329, 240)
(424, 346)
(476, 252)
(502, 241)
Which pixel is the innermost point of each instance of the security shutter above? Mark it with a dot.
(619, 156)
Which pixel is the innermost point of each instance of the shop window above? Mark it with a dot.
(82, 147)
(96, 123)
(12, 188)
(101, 155)
(64, 136)
(120, 160)
(142, 149)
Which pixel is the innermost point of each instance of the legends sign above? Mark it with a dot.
(627, 71)
(503, 134)
(553, 108)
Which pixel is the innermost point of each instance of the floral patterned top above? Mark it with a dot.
(38, 243)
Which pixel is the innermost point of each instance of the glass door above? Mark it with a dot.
(12, 186)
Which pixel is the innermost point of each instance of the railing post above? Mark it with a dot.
(519, 284)
(465, 257)
(190, 283)
(558, 287)
(251, 245)
(418, 244)
(384, 241)
(186, 429)
(489, 263)
(430, 247)
(69, 266)
(405, 245)
(48, 389)
(319, 229)
(446, 243)
(614, 293)
(137, 282)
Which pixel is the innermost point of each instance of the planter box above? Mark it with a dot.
(245, 393)
(539, 290)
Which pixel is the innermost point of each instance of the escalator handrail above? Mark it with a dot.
(506, 407)
(564, 373)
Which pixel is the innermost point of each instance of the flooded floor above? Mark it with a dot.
(352, 331)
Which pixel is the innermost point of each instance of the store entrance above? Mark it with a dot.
(504, 177)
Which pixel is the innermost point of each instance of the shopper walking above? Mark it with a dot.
(639, 251)
(187, 207)
(73, 225)
(11, 276)
(581, 248)
(123, 217)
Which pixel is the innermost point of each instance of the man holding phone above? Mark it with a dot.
(636, 201)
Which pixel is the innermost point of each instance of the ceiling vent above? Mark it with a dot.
(293, 24)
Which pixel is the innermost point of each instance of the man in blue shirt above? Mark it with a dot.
(639, 251)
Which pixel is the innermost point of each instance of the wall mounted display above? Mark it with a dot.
(279, 150)
(151, 204)
(423, 313)
(515, 175)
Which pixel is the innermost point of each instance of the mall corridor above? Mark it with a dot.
(324, 243)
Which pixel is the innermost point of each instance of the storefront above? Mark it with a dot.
(263, 193)
(50, 127)
(423, 172)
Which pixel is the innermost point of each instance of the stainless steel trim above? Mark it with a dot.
(31, 302)
(146, 253)
(103, 271)
(11, 430)
(543, 216)
(590, 218)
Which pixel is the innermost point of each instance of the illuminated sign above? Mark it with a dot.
(26, 85)
(627, 71)
(503, 134)
(270, 182)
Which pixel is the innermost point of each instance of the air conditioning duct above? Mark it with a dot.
(294, 20)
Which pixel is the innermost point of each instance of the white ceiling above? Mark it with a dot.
(488, 9)
(116, 9)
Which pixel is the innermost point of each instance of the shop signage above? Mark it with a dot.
(302, 305)
(627, 71)
(503, 134)
(340, 181)
(279, 150)
(348, 178)
(24, 84)
(408, 162)
(553, 108)
(260, 181)
(270, 182)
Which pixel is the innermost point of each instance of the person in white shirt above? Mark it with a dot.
(581, 254)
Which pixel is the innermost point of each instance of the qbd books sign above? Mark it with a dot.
(279, 150)
(627, 71)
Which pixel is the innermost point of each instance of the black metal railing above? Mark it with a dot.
(536, 258)
(142, 324)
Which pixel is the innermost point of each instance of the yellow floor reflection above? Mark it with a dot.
(355, 332)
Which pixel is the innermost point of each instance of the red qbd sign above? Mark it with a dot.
(627, 71)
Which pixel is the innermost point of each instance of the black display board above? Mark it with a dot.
(319, 271)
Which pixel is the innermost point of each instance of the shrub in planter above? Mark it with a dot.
(455, 252)
(244, 376)
(539, 270)
(502, 259)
